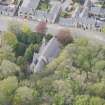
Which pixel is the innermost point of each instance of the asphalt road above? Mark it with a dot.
(53, 29)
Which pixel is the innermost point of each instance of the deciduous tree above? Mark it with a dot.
(64, 36)
(41, 27)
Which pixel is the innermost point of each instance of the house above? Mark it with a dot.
(49, 52)
(86, 9)
(68, 22)
(84, 13)
(54, 13)
(97, 11)
(76, 12)
(40, 15)
(6, 2)
(8, 7)
(28, 8)
(87, 3)
(86, 23)
(97, 1)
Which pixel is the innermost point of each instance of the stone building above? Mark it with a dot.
(50, 51)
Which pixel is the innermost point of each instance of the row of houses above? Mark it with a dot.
(91, 17)
(90, 9)
(8, 7)
(28, 7)
(8, 10)
(28, 10)
(85, 23)
(97, 11)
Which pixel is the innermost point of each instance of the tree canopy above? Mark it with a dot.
(75, 77)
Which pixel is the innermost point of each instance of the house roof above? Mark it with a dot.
(29, 5)
(8, 8)
(54, 11)
(6, 2)
(50, 51)
(98, 10)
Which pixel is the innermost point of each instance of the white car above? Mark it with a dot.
(102, 19)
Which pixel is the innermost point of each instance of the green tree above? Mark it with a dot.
(97, 101)
(6, 53)
(8, 68)
(82, 100)
(7, 88)
(58, 100)
(10, 39)
(30, 51)
(100, 65)
(25, 28)
(21, 62)
(64, 92)
(103, 29)
(3, 99)
(20, 50)
(97, 89)
(99, 68)
(14, 27)
(24, 96)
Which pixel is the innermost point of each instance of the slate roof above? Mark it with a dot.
(51, 50)
(8, 9)
(67, 21)
(28, 5)
(54, 12)
(98, 11)
(6, 2)
(90, 21)
(76, 12)
(95, 10)
(71, 22)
